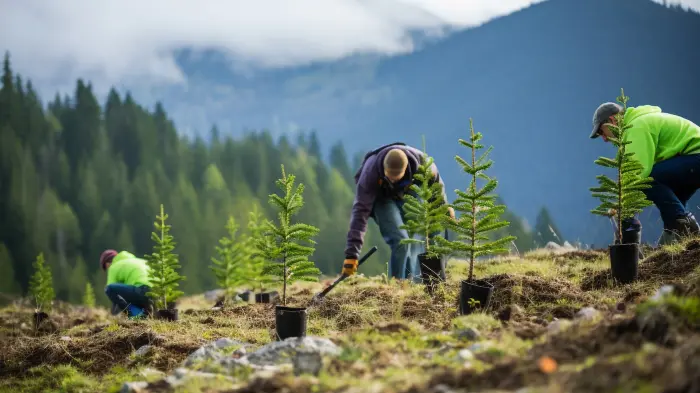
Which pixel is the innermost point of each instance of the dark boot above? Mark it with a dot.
(682, 227)
(631, 233)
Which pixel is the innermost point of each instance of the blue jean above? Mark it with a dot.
(675, 182)
(389, 216)
(131, 294)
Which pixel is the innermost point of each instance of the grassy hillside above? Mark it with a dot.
(395, 338)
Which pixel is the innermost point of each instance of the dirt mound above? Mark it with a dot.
(662, 266)
(585, 255)
(599, 357)
(533, 291)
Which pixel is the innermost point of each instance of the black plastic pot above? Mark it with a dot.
(290, 321)
(169, 314)
(479, 290)
(40, 317)
(432, 270)
(266, 297)
(624, 259)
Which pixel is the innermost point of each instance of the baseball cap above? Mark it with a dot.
(602, 114)
(107, 256)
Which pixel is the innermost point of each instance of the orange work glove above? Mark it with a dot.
(349, 267)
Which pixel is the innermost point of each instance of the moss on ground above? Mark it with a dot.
(394, 337)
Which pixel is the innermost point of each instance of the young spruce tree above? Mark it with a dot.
(286, 258)
(426, 213)
(41, 285)
(480, 213)
(89, 295)
(621, 198)
(163, 264)
(256, 258)
(230, 268)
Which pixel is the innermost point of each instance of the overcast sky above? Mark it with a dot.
(57, 41)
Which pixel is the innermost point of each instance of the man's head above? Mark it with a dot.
(604, 114)
(106, 258)
(395, 164)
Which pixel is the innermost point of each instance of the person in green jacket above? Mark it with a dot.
(668, 147)
(127, 282)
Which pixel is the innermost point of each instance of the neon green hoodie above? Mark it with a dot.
(129, 270)
(656, 136)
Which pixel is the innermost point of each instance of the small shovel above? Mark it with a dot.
(319, 296)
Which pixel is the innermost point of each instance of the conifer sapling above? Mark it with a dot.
(89, 295)
(281, 245)
(163, 264)
(230, 267)
(480, 213)
(41, 284)
(426, 211)
(256, 259)
(621, 198)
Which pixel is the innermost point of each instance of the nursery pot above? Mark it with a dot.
(290, 321)
(432, 270)
(623, 262)
(39, 317)
(170, 314)
(266, 297)
(479, 290)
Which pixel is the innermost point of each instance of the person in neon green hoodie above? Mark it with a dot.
(128, 281)
(668, 147)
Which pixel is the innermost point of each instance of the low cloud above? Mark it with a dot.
(130, 41)
(56, 41)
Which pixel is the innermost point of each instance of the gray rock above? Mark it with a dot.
(213, 351)
(181, 375)
(133, 387)
(144, 350)
(558, 325)
(663, 292)
(470, 334)
(465, 355)
(281, 352)
(307, 362)
(587, 313)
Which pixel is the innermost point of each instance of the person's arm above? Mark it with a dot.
(438, 178)
(361, 208)
(112, 275)
(642, 145)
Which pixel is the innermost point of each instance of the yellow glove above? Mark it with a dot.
(349, 267)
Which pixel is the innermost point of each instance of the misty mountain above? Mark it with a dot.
(530, 81)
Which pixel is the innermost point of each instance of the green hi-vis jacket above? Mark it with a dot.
(129, 270)
(656, 136)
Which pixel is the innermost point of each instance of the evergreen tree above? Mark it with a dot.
(287, 258)
(546, 230)
(89, 295)
(621, 198)
(480, 214)
(230, 268)
(163, 264)
(426, 212)
(257, 244)
(41, 284)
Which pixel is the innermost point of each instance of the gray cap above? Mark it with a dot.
(602, 114)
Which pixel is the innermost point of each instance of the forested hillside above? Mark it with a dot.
(77, 177)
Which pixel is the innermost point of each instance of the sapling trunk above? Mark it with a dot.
(473, 237)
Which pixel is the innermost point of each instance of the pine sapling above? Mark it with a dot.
(480, 213)
(230, 266)
(41, 285)
(622, 198)
(256, 259)
(89, 295)
(163, 264)
(426, 211)
(286, 258)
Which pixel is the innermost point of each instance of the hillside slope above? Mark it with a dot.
(530, 80)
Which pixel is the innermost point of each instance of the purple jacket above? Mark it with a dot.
(369, 189)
